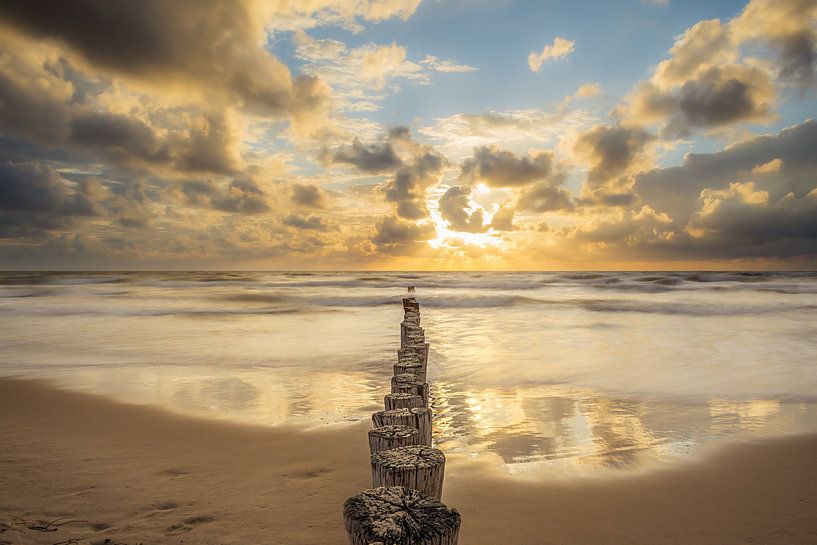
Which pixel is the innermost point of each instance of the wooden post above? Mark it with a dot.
(389, 437)
(409, 367)
(419, 418)
(402, 401)
(409, 384)
(399, 516)
(418, 467)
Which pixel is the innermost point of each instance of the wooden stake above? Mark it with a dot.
(402, 401)
(399, 516)
(418, 467)
(389, 437)
(419, 418)
(410, 384)
(415, 368)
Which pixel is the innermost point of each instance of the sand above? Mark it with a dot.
(114, 473)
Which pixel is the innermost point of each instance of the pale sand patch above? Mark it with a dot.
(141, 475)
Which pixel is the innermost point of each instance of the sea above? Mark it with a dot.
(574, 371)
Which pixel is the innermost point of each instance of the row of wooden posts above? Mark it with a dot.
(404, 507)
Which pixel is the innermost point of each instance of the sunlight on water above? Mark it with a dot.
(529, 371)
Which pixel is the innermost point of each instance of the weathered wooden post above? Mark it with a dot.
(404, 508)
(419, 418)
(410, 384)
(397, 515)
(402, 401)
(418, 467)
(410, 367)
(389, 437)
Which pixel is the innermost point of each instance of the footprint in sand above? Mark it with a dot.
(160, 509)
(187, 525)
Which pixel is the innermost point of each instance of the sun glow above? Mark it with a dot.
(459, 240)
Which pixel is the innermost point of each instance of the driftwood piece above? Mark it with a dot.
(418, 467)
(410, 384)
(419, 417)
(389, 437)
(410, 367)
(402, 401)
(399, 516)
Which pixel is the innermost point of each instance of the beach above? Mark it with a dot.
(135, 474)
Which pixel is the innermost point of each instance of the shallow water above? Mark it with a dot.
(532, 370)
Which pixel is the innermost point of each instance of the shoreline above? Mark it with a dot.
(136, 474)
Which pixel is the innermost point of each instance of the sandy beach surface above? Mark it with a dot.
(103, 472)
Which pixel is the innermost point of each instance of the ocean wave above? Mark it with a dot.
(649, 307)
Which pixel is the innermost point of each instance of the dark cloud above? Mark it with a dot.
(501, 168)
(240, 196)
(132, 207)
(788, 26)
(308, 196)
(454, 205)
(35, 198)
(407, 189)
(372, 159)
(38, 106)
(310, 223)
(542, 197)
(612, 152)
(398, 237)
(378, 157)
(675, 190)
(200, 44)
(798, 53)
(714, 98)
(742, 215)
(503, 219)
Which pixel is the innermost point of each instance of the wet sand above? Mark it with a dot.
(130, 475)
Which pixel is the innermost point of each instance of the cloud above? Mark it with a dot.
(35, 199)
(308, 196)
(407, 189)
(715, 98)
(612, 153)
(295, 14)
(372, 159)
(789, 27)
(623, 227)
(462, 132)
(310, 223)
(446, 66)
(27, 187)
(588, 90)
(384, 61)
(704, 45)
(240, 196)
(743, 216)
(455, 208)
(711, 80)
(211, 49)
(766, 168)
(501, 168)
(560, 49)
(40, 104)
(502, 219)
(542, 197)
(363, 76)
(778, 163)
(398, 237)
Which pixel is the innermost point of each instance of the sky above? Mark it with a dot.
(408, 134)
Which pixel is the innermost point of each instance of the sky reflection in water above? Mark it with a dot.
(530, 371)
